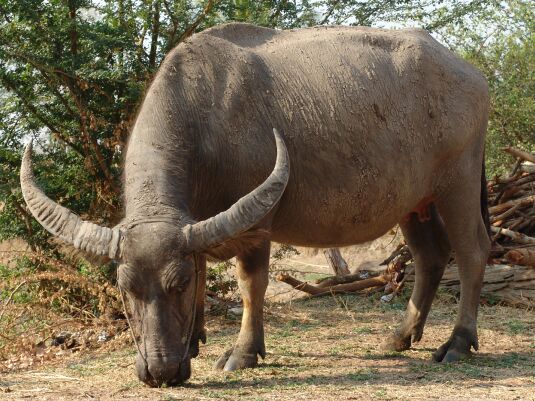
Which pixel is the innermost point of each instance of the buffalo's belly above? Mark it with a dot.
(331, 218)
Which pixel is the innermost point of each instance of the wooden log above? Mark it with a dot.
(505, 215)
(525, 182)
(518, 224)
(511, 192)
(335, 280)
(514, 285)
(514, 235)
(502, 207)
(520, 154)
(528, 168)
(503, 190)
(521, 256)
(299, 285)
(507, 180)
(523, 224)
(337, 289)
(336, 261)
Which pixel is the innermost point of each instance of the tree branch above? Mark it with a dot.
(155, 32)
(277, 12)
(330, 12)
(71, 82)
(200, 18)
(174, 21)
(33, 110)
(72, 32)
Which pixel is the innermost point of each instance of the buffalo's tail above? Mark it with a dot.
(485, 199)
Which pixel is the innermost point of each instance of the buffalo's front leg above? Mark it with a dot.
(252, 273)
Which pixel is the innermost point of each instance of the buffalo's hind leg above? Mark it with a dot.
(461, 212)
(430, 248)
(252, 273)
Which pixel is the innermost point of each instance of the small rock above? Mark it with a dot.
(60, 338)
(388, 297)
(364, 274)
(237, 310)
(103, 337)
(70, 343)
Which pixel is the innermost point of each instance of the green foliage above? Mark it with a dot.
(73, 73)
(283, 252)
(219, 281)
(500, 41)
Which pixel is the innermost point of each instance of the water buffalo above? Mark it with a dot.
(378, 127)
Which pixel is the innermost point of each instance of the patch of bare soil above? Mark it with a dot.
(318, 349)
(11, 249)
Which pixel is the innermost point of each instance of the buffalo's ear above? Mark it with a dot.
(239, 245)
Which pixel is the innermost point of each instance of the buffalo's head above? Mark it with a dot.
(158, 264)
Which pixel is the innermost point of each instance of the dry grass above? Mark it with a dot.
(318, 349)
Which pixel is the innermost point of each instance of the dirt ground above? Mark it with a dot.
(318, 349)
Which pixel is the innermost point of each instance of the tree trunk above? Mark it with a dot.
(336, 261)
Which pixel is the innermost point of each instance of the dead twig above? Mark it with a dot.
(10, 298)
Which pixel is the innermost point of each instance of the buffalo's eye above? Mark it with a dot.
(176, 279)
(126, 280)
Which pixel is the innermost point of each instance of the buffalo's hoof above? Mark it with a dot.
(457, 348)
(395, 342)
(234, 359)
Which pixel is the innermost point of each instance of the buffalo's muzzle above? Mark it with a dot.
(163, 371)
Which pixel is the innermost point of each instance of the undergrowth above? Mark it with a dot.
(43, 296)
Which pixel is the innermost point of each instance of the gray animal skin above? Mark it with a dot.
(380, 127)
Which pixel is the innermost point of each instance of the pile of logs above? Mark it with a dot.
(512, 211)
(510, 275)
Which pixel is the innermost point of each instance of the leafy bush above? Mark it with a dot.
(219, 280)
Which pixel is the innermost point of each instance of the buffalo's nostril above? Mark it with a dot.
(142, 370)
(164, 374)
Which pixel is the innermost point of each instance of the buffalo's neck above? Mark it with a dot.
(154, 185)
(227, 165)
(156, 170)
(157, 161)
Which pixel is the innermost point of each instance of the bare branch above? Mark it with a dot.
(200, 18)
(155, 33)
(329, 12)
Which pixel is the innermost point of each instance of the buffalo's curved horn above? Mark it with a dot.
(247, 211)
(63, 223)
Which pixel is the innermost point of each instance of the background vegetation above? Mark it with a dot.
(73, 72)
